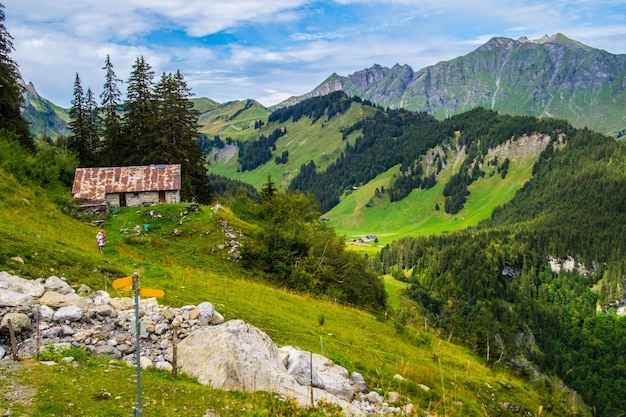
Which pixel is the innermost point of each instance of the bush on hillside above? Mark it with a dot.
(296, 251)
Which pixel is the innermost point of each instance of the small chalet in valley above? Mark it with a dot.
(127, 186)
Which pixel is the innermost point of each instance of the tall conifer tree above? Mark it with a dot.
(84, 125)
(139, 118)
(177, 136)
(11, 91)
(110, 105)
(92, 128)
(78, 125)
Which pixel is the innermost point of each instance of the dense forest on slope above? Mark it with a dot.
(329, 106)
(393, 137)
(255, 153)
(493, 289)
(389, 138)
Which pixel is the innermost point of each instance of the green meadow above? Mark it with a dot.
(320, 142)
(422, 213)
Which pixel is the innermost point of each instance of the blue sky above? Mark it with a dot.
(273, 49)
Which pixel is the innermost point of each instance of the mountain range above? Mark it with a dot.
(553, 77)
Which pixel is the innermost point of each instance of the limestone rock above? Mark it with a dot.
(19, 322)
(122, 304)
(103, 310)
(206, 310)
(145, 362)
(56, 299)
(239, 357)
(20, 285)
(70, 313)
(58, 285)
(337, 380)
(10, 298)
(100, 298)
(216, 318)
(358, 382)
(45, 312)
(393, 397)
(298, 364)
(374, 397)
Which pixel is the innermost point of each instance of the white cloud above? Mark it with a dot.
(270, 50)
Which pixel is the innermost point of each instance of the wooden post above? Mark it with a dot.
(312, 401)
(139, 410)
(175, 353)
(13, 340)
(38, 335)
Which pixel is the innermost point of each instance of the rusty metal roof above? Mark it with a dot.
(94, 183)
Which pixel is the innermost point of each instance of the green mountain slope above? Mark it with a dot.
(45, 117)
(544, 275)
(232, 118)
(422, 211)
(385, 173)
(320, 141)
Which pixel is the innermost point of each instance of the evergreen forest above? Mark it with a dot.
(492, 288)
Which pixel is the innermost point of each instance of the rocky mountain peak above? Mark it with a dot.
(553, 76)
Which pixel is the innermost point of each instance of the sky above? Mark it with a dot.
(271, 50)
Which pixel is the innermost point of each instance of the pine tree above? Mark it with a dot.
(110, 104)
(92, 128)
(268, 190)
(139, 119)
(84, 125)
(176, 138)
(11, 91)
(78, 124)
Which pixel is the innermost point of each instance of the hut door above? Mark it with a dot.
(122, 200)
(162, 197)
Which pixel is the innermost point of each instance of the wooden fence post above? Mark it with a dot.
(175, 353)
(312, 401)
(38, 335)
(13, 340)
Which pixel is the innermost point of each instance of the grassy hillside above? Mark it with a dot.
(184, 265)
(421, 213)
(233, 118)
(37, 240)
(306, 141)
(360, 155)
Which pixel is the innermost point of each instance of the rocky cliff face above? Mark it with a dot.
(550, 77)
(44, 117)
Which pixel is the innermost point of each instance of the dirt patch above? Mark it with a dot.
(12, 392)
(225, 153)
(524, 147)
